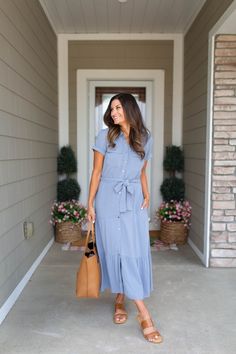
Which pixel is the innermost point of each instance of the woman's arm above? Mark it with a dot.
(144, 184)
(94, 183)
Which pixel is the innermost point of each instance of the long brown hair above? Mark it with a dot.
(138, 134)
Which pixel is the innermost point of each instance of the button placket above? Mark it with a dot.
(123, 171)
(125, 159)
(118, 217)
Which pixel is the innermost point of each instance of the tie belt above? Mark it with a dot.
(124, 187)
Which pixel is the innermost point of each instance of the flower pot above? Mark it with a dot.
(174, 232)
(67, 232)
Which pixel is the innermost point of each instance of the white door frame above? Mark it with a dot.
(153, 80)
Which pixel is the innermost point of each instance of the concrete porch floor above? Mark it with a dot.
(193, 307)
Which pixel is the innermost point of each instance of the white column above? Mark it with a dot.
(63, 90)
(177, 102)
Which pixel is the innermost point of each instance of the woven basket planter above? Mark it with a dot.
(67, 232)
(173, 233)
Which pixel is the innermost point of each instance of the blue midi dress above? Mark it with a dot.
(122, 230)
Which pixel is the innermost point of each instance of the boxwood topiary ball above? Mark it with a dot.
(173, 189)
(66, 161)
(68, 189)
(174, 159)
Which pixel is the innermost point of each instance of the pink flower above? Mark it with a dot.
(175, 211)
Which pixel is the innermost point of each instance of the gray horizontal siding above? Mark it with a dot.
(18, 38)
(28, 136)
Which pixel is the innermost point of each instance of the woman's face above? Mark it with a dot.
(117, 112)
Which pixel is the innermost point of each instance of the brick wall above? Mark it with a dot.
(223, 218)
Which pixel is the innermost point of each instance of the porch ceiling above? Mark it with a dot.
(111, 16)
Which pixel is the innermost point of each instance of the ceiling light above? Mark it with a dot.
(122, 1)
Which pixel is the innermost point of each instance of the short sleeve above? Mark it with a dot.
(148, 148)
(101, 142)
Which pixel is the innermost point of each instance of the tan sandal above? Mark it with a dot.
(150, 333)
(120, 315)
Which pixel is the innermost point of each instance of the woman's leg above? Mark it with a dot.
(149, 331)
(120, 298)
(120, 315)
(142, 308)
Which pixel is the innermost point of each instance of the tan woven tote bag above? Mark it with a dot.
(89, 275)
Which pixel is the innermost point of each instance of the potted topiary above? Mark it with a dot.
(67, 213)
(175, 211)
(68, 187)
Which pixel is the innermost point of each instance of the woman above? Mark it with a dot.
(119, 188)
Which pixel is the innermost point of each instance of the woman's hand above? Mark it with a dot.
(146, 196)
(145, 203)
(91, 214)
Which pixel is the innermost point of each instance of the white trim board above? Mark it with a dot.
(177, 99)
(153, 80)
(196, 250)
(9, 303)
(63, 92)
(119, 36)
